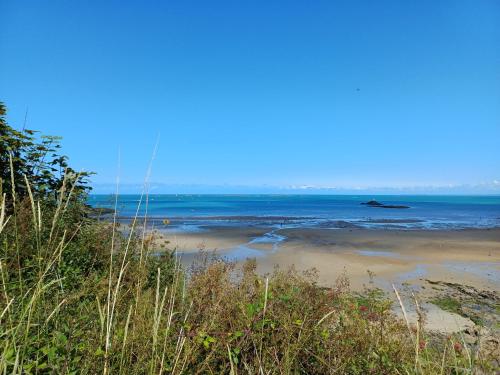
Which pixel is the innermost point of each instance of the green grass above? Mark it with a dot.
(448, 304)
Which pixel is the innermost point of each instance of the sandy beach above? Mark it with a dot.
(428, 264)
(469, 256)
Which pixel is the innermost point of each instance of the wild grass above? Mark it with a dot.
(448, 304)
(77, 296)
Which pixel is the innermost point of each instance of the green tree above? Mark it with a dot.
(26, 153)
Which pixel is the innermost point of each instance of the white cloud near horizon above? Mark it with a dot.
(486, 188)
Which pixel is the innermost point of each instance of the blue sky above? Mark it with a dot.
(261, 94)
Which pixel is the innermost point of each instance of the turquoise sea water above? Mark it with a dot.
(192, 212)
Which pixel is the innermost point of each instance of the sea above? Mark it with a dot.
(194, 212)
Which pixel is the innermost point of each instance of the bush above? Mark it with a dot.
(26, 156)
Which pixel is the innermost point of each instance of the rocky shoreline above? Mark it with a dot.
(377, 204)
(476, 310)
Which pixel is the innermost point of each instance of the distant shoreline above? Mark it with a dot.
(423, 212)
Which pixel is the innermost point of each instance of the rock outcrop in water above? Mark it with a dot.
(374, 203)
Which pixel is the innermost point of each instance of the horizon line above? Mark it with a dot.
(484, 189)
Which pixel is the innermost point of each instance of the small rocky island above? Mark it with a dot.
(374, 203)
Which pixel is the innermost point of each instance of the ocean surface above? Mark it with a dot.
(196, 212)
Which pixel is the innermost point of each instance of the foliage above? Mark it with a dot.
(448, 304)
(24, 153)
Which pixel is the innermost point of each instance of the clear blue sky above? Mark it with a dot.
(322, 93)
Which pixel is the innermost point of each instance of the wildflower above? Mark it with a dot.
(422, 344)
(457, 347)
(363, 308)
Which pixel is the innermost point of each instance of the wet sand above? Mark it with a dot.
(469, 256)
(411, 260)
